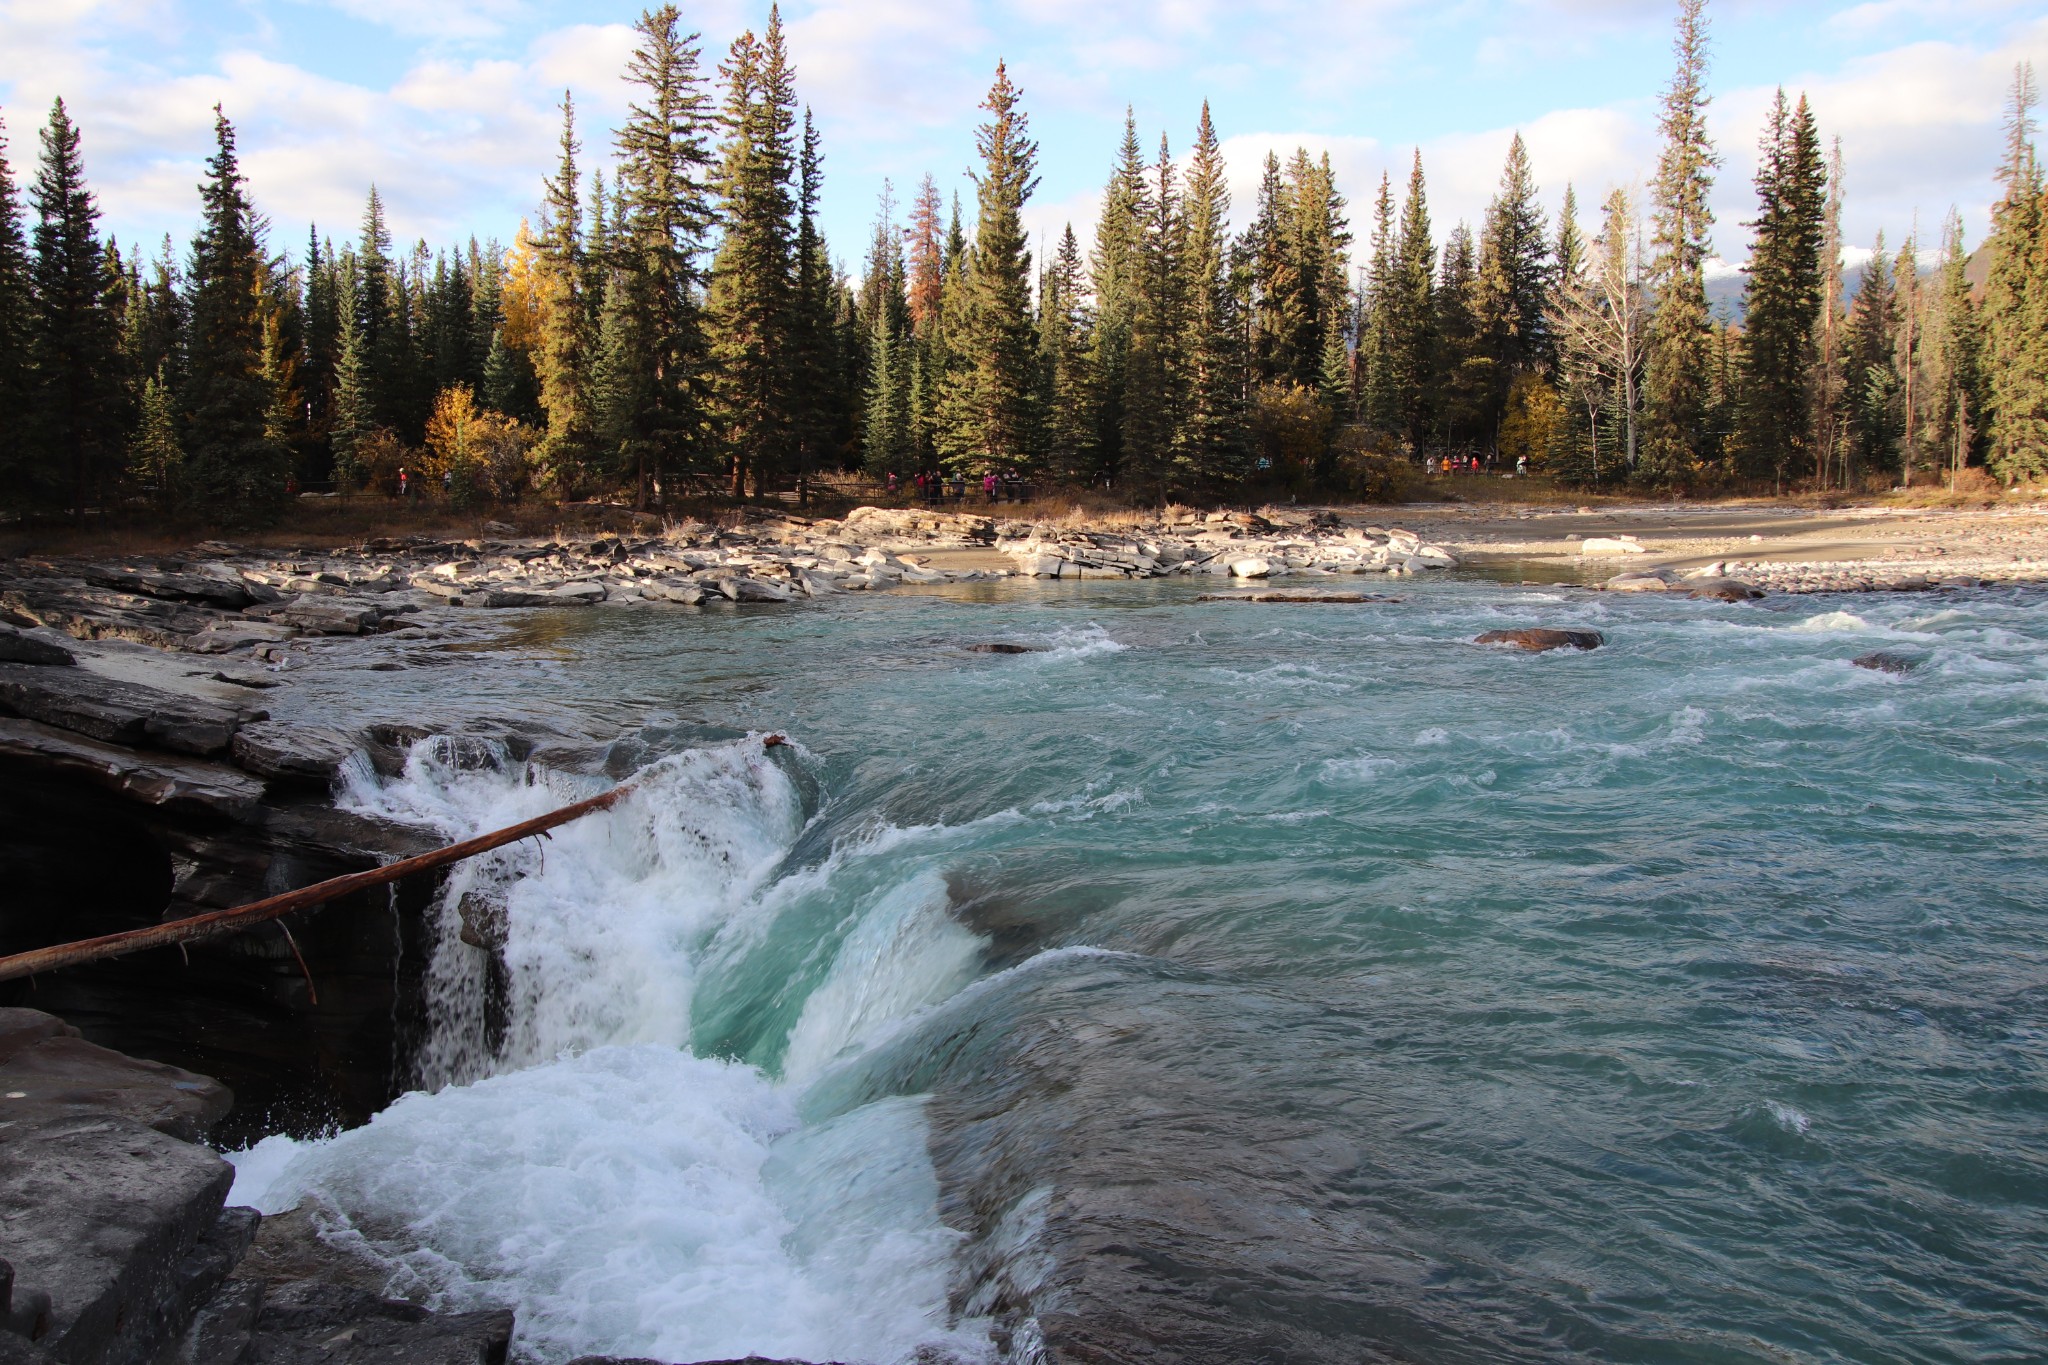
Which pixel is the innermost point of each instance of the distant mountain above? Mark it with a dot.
(1726, 295)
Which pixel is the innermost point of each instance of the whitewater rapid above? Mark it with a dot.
(574, 1158)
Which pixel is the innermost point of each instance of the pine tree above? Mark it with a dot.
(927, 258)
(74, 340)
(1411, 338)
(995, 422)
(233, 468)
(1908, 346)
(1511, 289)
(2015, 317)
(752, 299)
(1678, 444)
(1210, 446)
(661, 231)
(154, 455)
(1785, 294)
(16, 332)
(562, 358)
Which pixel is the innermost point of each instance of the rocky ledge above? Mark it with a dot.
(221, 600)
(120, 1249)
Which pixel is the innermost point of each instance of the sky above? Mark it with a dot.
(448, 106)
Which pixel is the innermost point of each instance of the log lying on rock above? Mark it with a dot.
(1540, 638)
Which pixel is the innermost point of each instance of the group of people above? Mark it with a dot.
(407, 484)
(1470, 464)
(936, 488)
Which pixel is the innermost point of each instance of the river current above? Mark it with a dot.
(1228, 982)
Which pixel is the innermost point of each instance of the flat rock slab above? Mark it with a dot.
(180, 784)
(48, 1071)
(17, 648)
(1538, 639)
(173, 587)
(282, 752)
(100, 1213)
(116, 712)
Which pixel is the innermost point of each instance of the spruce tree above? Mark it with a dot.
(16, 330)
(1510, 295)
(234, 470)
(753, 302)
(154, 454)
(1063, 328)
(1829, 404)
(815, 389)
(1114, 267)
(995, 422)
(1277, 315)
(1154, 390)
(1210, 446)
(662, 231)
(1908, 352)
(1678, 443)
(562, 358)
(886, 445)
(1952, 347)
(1465, 373)
(354, 414)
(1411, 338)
(1873, 382)
(1785, 294)
(1379, 399)
(77, 422)
(2015, 316)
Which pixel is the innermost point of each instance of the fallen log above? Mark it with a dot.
(218, 922)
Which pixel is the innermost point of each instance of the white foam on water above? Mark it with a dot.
(1788, 1118)
(1831, 622)
(1433, 737)
(623, 1195)
(1363, 768)
(640, 1201)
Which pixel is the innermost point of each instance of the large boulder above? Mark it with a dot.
(1537, 639)
(1722, 590)
(1251, 567)
(308, 754)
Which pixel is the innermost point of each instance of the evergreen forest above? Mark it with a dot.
(671, 323)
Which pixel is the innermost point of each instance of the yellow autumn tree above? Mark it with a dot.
(523, 285)
(1530, 423)
(482, 453)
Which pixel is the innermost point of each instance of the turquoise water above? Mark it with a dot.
(1299, 982)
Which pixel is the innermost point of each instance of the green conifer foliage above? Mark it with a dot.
(1210, 448)
(16, 323)
(234, 469)
(1511, 289)
(886, 443)
(1678, 444)
(1951, 348)
(74, 338)
(1063, 330)
(1410, 317)
(1465, 373)
(154, 454)
(1114, 267)
(1379, 391)
(753, 298)
(1154, 389)
(562, 359)
(1785, 295)
(994, 419)
(2015, 316)
(354, 415)
(1874, 384)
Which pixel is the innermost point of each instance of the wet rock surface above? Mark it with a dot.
(1541, 638)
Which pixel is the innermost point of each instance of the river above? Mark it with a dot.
(1226, 982)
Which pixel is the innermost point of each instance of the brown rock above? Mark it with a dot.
(1540, 638)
